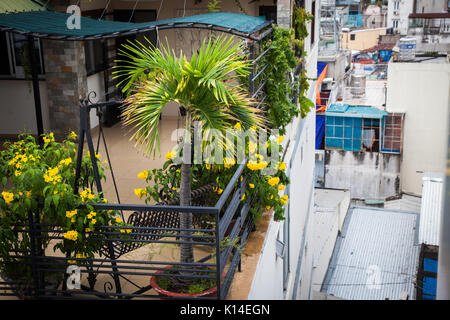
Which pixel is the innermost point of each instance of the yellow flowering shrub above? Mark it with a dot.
(41, 180)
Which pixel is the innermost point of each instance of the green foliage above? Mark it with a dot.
(204, 86)
(164, 183)
(285, 54)
(281, 60)
(40, 180)
(214, 5)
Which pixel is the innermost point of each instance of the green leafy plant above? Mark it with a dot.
(203, 86)
(41, 180)
(285, 54)
(214, 5)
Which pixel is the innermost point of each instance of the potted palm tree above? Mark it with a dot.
(205, 86)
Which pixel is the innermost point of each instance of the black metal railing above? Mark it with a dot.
(116, 275)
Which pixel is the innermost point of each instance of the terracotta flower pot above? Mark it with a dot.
(207, 293)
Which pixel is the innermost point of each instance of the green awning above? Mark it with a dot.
(52, 25)
(10, 6)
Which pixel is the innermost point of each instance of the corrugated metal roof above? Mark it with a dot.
(431, 209)
(406, 203)
(8, 6)
(379, 245)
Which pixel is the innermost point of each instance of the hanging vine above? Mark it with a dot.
(285, 54)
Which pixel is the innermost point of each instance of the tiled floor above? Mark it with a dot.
(127, 161)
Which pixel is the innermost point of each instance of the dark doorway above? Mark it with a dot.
(270, 12)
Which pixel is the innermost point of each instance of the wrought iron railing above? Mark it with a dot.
(115, 275)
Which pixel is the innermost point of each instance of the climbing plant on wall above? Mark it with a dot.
(285, 54)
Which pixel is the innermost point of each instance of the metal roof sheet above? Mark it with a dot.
(431, 209)
(51, 24)
(7, 6)
(375, 244)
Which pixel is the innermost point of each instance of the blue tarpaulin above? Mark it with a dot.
(320, 119)
(320, 131)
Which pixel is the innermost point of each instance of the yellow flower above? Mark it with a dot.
(71, 235)
(280, 139)
(80, 256)
(70, 214)
(17, 173)
(46, 140)
(87, 230)
(143, 175)
(94, 221)
(238, 126)
(118, 220)
(281, 187)
(284, 199)
(140, 192)
(252, 146)
(243, 197)
(128, 230)
(72, 135)
(273, 181)
(122, 230)
(208, 167)
(66, 162)
(28, 194)
(251, 185)
(229, 162)
(8, 196)
(71, 261)
(218, 190)
(171, 155)
(282, 166)
(268, 207)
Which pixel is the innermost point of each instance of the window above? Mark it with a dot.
(393, 133)
(343, 133)
(13, 61)
(352, 36)
(371, 135)
(94, 51)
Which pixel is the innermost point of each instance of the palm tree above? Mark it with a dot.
(205, 86)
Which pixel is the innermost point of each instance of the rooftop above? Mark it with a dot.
(375, 257)
(431, 209)
(374, 93)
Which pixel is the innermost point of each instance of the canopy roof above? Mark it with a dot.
(345, 110)
(52, 25)
(20, 5)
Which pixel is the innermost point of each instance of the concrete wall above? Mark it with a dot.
(17, 107)
(268, 282)
(326, 223)
(364, 39)
(401, 14)
(368, 175)
(421, 90)
(431, 6)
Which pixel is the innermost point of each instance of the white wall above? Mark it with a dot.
(422, 91)
(96, 83)
(17, 107)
